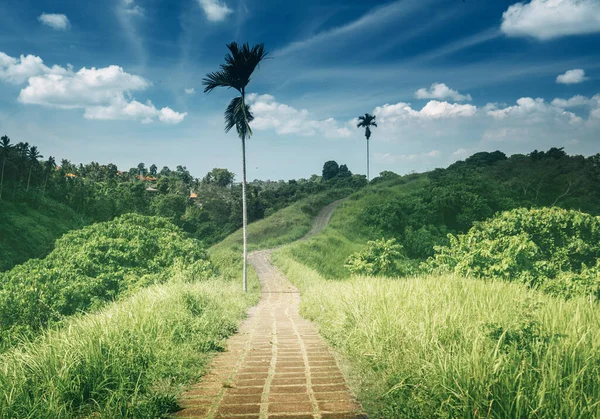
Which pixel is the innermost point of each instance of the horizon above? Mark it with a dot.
(121, 83)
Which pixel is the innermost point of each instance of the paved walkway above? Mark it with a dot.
(277, 366)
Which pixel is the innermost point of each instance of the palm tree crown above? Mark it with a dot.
(367, 122)
(239, 65)
(5, 146)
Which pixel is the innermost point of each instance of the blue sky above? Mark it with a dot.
(120, 81)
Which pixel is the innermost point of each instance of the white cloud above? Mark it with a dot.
(547, 19)
(18, 70)
(55, 21)
(432, 110)
(215, 10)
(537, 110)
(441, 91)
(284, 119)
(435, 109)
(571, 102)
(103, 93)
(571, 77)
(190, 91)
(120, 109)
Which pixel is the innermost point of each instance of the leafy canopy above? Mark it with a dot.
(554, 249)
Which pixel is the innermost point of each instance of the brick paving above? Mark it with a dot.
(277, 365)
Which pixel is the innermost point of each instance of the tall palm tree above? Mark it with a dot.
(33, 156)
(5, 150)
(367, 122)
(240, 63)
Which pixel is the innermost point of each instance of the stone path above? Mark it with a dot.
(277, 365)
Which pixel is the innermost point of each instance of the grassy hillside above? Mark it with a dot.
(347, 232)
(445, 346)
(134, 357)
(448, 347)
(131, 359)
(29, 231)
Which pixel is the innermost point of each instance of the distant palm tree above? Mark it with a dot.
(239, 65)
(49, 167)
(5, 150)
(367, 122)
(33, 156)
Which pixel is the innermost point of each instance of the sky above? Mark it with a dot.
(120, 81)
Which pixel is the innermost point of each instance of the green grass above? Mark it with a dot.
(346, 234)
(131, 359)
(451, 347)
(29, 231)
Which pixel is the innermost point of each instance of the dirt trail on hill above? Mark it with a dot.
(277, 365)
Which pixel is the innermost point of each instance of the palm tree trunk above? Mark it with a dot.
(2, 178)
(29, 178)
(244, 216)
(44, 190)
(368, 160)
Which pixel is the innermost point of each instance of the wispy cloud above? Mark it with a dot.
(388, 14)
(389, 158)
(459, 45)
(127, 13)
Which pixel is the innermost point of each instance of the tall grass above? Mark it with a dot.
(131, 359)
(451, 347)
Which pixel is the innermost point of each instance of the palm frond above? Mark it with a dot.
(240, 63)
(238, 115)
(217, 79)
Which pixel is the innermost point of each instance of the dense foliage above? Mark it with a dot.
(91, 266)
(555, 249)
(477, 188)
(208, 209)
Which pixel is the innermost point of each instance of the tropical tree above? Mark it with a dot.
(33, 155)
(5, 150)
(49, 167)
(367, 122)
(240, 63)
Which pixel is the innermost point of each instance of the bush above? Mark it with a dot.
(554, 249)
(91, 266)
(380, 257)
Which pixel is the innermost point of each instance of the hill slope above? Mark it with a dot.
(29, 231)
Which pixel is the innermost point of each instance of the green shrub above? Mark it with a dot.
(91, 266)
(380, 257)
(554, 249)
